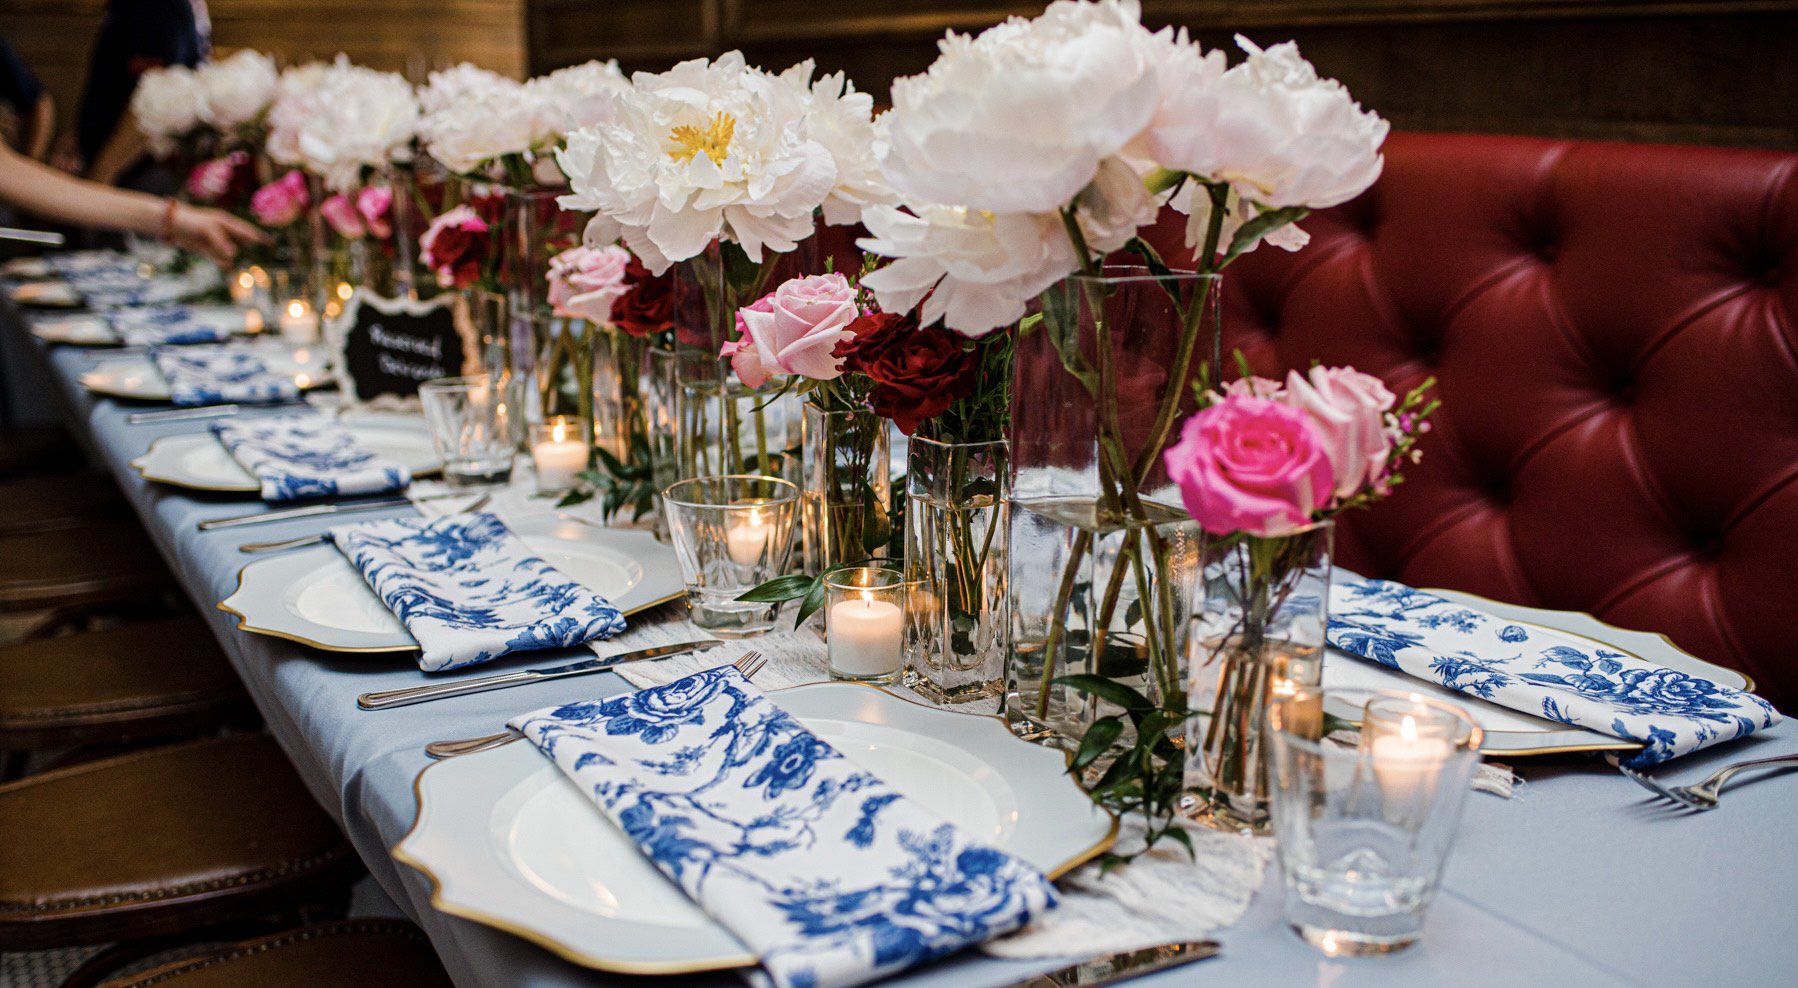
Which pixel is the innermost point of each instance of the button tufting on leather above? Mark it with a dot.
(1548, 251)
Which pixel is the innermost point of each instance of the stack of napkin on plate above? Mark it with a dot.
(1538, 672)
(208, 375)
(827, 873)
(471, 591)
(308, 455)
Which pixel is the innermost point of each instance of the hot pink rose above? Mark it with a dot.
(796, 332)
(341, 214)
(375, 203)
(211, 180)
(1349, 408)
(585, 281)
(454, 247)
(1251, 465)
(282, 201)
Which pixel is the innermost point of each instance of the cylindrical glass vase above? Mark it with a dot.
(564, 368)
(535, 227)
(1257, 635)
(660, 387)
(847, 489)
(956, 509)
(618, 406)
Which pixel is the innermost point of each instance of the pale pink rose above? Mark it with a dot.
(585, 281)
(341, 214)
(375, 204)
(1251, 387)
(797, 333)
(1349, 408)
(210, 180)
(282, 201)
(1251, 465)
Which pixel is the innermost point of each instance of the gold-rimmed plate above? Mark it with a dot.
(1510, 733)
(507, 840)
(316, 597)
(75, 330)
(198, 461)
(134, 375)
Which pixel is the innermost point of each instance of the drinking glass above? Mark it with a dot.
(1364, 826)
(475, 425)
(731, 533)
(865, 611)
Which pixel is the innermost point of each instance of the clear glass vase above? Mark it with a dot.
(846, 496)
(487, 311)
(618, 400)
(564, 368)
(956, 508)
(660, 387)
(535, 228)
(1102, 557)
(1257, 636)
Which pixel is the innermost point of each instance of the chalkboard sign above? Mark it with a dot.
(387, 347)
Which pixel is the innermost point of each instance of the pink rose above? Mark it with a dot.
(1252, 387)
(454, 247)
(585, 281)
(1349, 408)
(211, 180)
(282, 201)
(1251, 465)
(797, 332)
(341, 214)
(375, 204)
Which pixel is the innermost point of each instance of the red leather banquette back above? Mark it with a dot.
(1614, 330)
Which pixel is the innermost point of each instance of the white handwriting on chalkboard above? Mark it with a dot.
(431, 348)
(409, 369)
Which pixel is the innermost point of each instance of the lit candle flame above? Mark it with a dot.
(296, 308)
(344, 290)
(1407, 728)
(559, 432)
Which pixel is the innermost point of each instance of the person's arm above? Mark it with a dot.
(122, 150)
(40, 129)
(54, 195)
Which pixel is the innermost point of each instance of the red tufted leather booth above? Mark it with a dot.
(1614, 329)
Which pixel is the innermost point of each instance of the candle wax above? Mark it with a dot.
(864, 637)
(747, 539)
(559, 462)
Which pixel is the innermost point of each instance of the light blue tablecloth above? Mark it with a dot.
(1580, 879)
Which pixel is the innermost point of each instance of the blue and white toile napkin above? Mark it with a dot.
(175, 325)
(308, 455)
(471, 591)
(1532, 670)
(208, 375)
(822, 869)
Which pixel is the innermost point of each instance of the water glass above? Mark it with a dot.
(865, 610)
(731, 534)
(1364, 827)
(476, 423)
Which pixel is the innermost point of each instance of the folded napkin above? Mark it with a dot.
(1536, 671)
(208, 375)
(822, 869)
(175, 325)
(470, 591)
(308, 455)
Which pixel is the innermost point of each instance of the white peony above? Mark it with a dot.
(484, 125)
(579, 95)
(708, 149)
(445, 87)
(356, 118)
(1017, 119)
(296, 98)
(1195, 201)
(166, 106)
(234, 91)
(842, 120)
(1278, 134)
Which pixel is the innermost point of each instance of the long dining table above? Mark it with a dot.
(1580, 878)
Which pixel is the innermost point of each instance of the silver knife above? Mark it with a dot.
(437, 691)
(179, 414)
(313, 510)
(1108, 968)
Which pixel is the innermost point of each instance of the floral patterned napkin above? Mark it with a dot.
(209, 375)
(308, 455)
(1536, 671)
(828, 874)
(175, 325)
(471, 591)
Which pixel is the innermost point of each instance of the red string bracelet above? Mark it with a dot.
(168, 218)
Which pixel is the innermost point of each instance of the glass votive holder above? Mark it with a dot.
(475, 424)
(1363, 829)
(731, 534)
(560, 446)
(864, 621)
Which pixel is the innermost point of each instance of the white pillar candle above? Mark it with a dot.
(299, 324)
(747, 539)
(865, 636)
(1406, 764)
(559, 459)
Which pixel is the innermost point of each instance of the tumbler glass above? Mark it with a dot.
(1364, 826)
(476, 425)
(731, 534)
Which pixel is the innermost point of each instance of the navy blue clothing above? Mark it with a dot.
(19, 87)
(135, 36)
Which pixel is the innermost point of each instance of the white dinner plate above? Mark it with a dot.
(507, 840)
(47, 294)
(136, 376)
(200, 462)
(316, 597)
(27, 267)
(1511, 733)
(83, 330)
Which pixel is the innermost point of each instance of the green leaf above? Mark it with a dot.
(576, 496)
(813, 601)
(1263, 224)
(1109, 690)
(781, 589)
(1178, 835)
(1098, 740)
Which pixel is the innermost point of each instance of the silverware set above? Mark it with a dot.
(1705, 795)
(303, 540)
(196, 412)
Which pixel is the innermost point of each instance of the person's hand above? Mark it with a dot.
(65, 156)
(212, 232)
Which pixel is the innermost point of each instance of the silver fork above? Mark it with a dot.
(749, 663)
(295, 543)
(1703, 795)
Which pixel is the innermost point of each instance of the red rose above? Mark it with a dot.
(455, 246)
(648, 308)
(917, 373)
